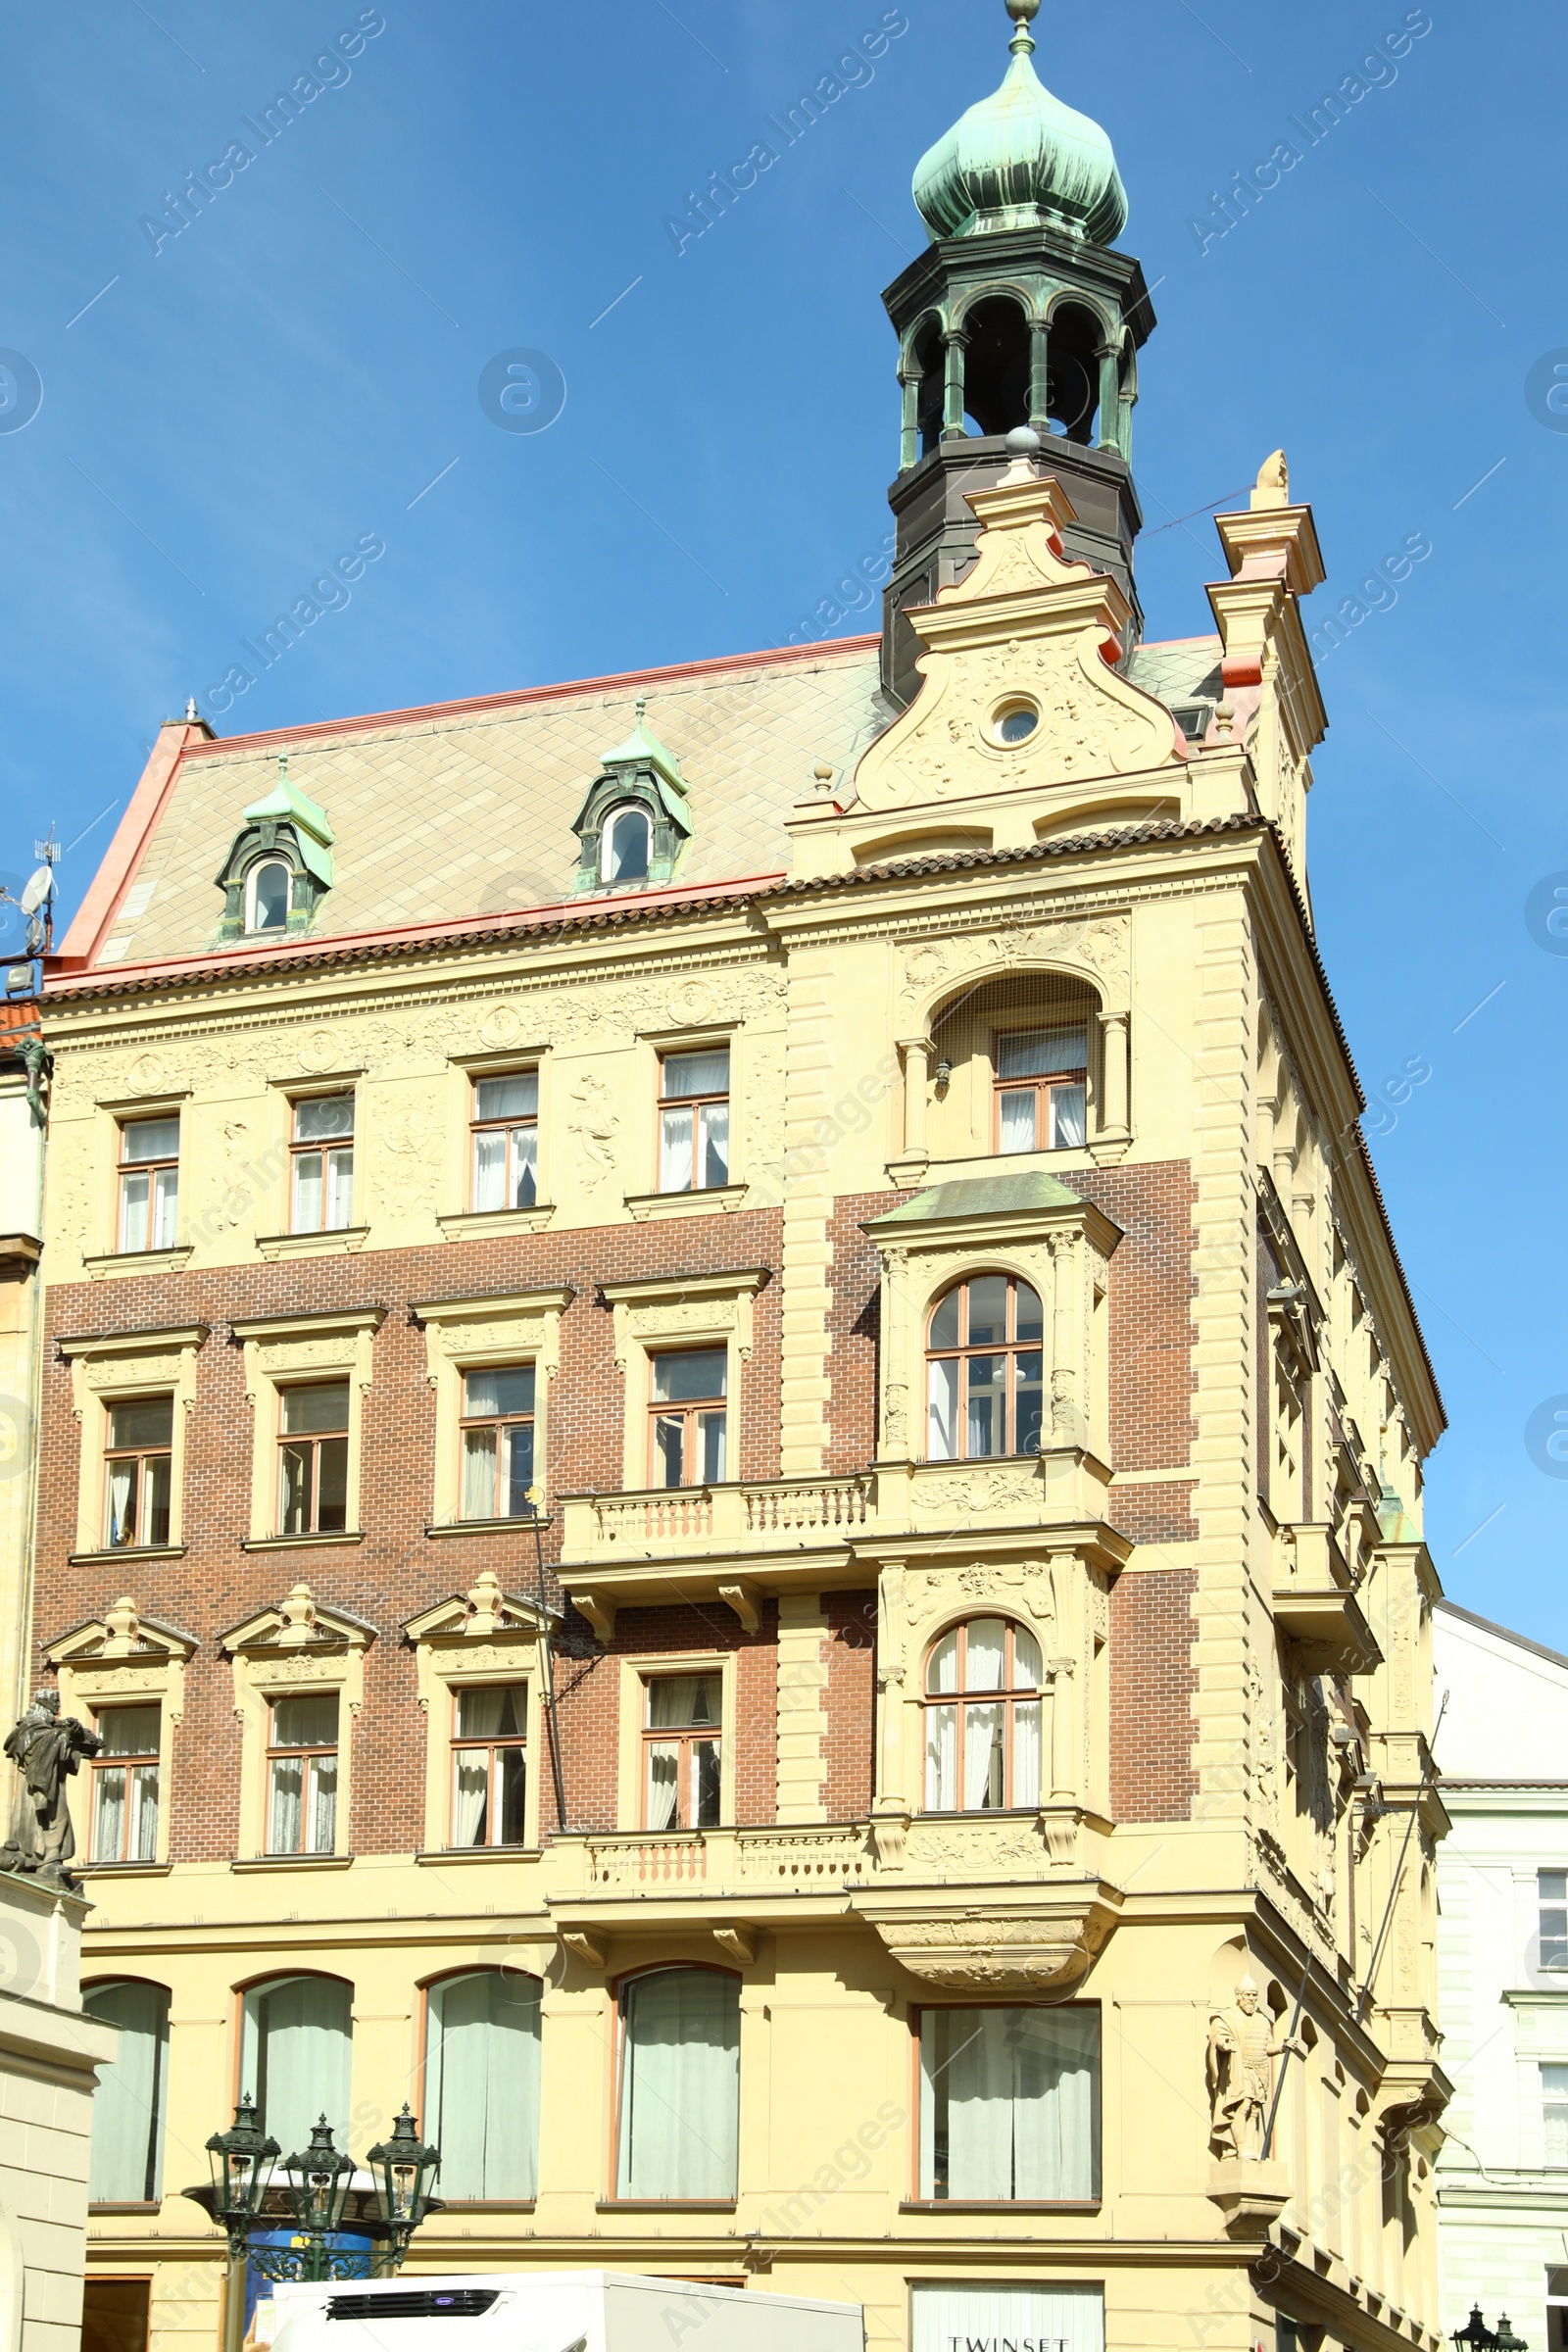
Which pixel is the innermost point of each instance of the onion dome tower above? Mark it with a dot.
(1019, 313)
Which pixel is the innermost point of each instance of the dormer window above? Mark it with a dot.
(628, 845)
(266, 896)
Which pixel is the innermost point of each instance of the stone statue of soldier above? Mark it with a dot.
(46, 1752)
(1242, 2047)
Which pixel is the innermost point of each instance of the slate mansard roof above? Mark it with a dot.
(462, 810)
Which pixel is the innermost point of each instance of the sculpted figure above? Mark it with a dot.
(1242, 2047)
(45, 1751)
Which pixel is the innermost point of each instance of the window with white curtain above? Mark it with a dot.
(498, 1443)
(128, 2106)
(1009, 2105)
(124, 1785)
(138, 1474)
(481, 2086)
(302, 1775)
(681, 1748)
(490, 1765)
(694, 1121)
(983, 1719)
(1041, 1089)
(506, 1141)
(149, 1183)
(984, 1371)
(978, 2317)
(678, 2135)
(1554, 2115)
(295, 2039)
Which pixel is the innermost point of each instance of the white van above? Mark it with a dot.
(555, 2311)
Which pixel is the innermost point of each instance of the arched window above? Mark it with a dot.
(296, 2038)
(678, 2134)
(128, 2106)
(481, 2085)
(267, 893)
(629, 845)
(982, 1719)
(985, 1370)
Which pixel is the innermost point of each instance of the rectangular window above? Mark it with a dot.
(498, 1443)
(680, 2070)
(506, 1141)
(690, 1418)
(323, 1153)
(694, 1121)
(149, 1183)
(489, 1766)
(1041, 1088)
(1009, 2105)
(1553, 1897)
(124, 1785)
(138, 1474)
(1554, 2114)
(681, 1729)
(313, 1454)
(302, 1776)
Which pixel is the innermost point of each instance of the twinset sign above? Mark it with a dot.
(1023, 2316)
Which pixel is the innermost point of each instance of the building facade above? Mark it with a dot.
(1502, 1959)
(935, 1807)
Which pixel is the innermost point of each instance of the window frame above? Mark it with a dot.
(158, 2135)
(461, 1743)
(1044, 1089)
(311, 1441)
(511, 1128)
(686, 1411)
(273, 1979)
(961, 1698)
(919, 2013)
(130, 1762)
(685, 1742)
(620, 1989)
(964, 1351)
(253, 875)
(498, 1422)
(277, 1752)
(607, 825)
(329, 1149)
(141, 1455)
(165, 1165)
(1557, 1905)
(698, 1106)
(430, 2110)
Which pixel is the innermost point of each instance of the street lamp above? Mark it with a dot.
(319, 2184)
(404, 2170)
(1506, 2340)
(1477, 2337)
(242, 2160)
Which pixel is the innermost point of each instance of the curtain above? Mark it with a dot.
(295, 2046)
(525, 1166)
(983, 2317)
(1018, 1121)
(1068, 1116)
(283, 1813)
(1025, 1659)
(479, 1473)
(982, 1758)
(682, 1699)
(134, 1191)
(308, 1192)
(1041, 1052)
(127, 2158)
(1026, 1755)
(680, 2086)
(715, 1134)
(490, 1170)
(323, 1804)
(482, 2084)
(109, 1812)
(664, 1783)
(987, 1649)
(1010, 2104)
(676, 1175)
(941, 1777)
(121, 1528)
(942, 1437)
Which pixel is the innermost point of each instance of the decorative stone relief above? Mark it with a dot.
(591, 1122)
(976, 1493)
(1005, 1585)
(975, 1847)
(974, 1949)
(1099, 945)
(308, 1355)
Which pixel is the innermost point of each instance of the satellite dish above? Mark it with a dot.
(38, 890)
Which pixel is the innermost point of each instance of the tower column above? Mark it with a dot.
(1040, 376)
(909, 436)
(1109, 417)
(954, 343)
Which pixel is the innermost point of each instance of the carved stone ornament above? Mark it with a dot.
(975, 1494)
(1051, 1942)
(1099, 945)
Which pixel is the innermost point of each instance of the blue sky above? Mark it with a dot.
(300, 368)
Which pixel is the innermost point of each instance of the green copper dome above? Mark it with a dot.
(1021, 160)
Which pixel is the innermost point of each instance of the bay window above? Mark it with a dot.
(138, 1474)
(985, 1370)
(1009, 2105)
(983, 1719)
(678, 2111)
(149, 1183)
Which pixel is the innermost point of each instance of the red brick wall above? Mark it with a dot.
(851, 1703)
(1153, 1683)
(1162, 1514)
(397, 1570)
(1152, 1283)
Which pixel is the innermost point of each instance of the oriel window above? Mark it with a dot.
(149, 1183)
(124, 1785)
(985, 1369)
(694, 1121)
(506, 1141)
(138, 1474)
(498, 1443)
(302, 1775)
(983, 1719)
(1042, 1087)
(681, 1751)
(323, 1153)
(690, 1418)
(490, 1766)
(313, 1477)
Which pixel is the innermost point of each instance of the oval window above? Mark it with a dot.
(269, 897)
(1014, 723)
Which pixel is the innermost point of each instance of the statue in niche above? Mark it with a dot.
(46, 1752)
(1242, 2047)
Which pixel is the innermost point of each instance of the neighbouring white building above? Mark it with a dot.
(1502, 1887)
(50, 2054)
